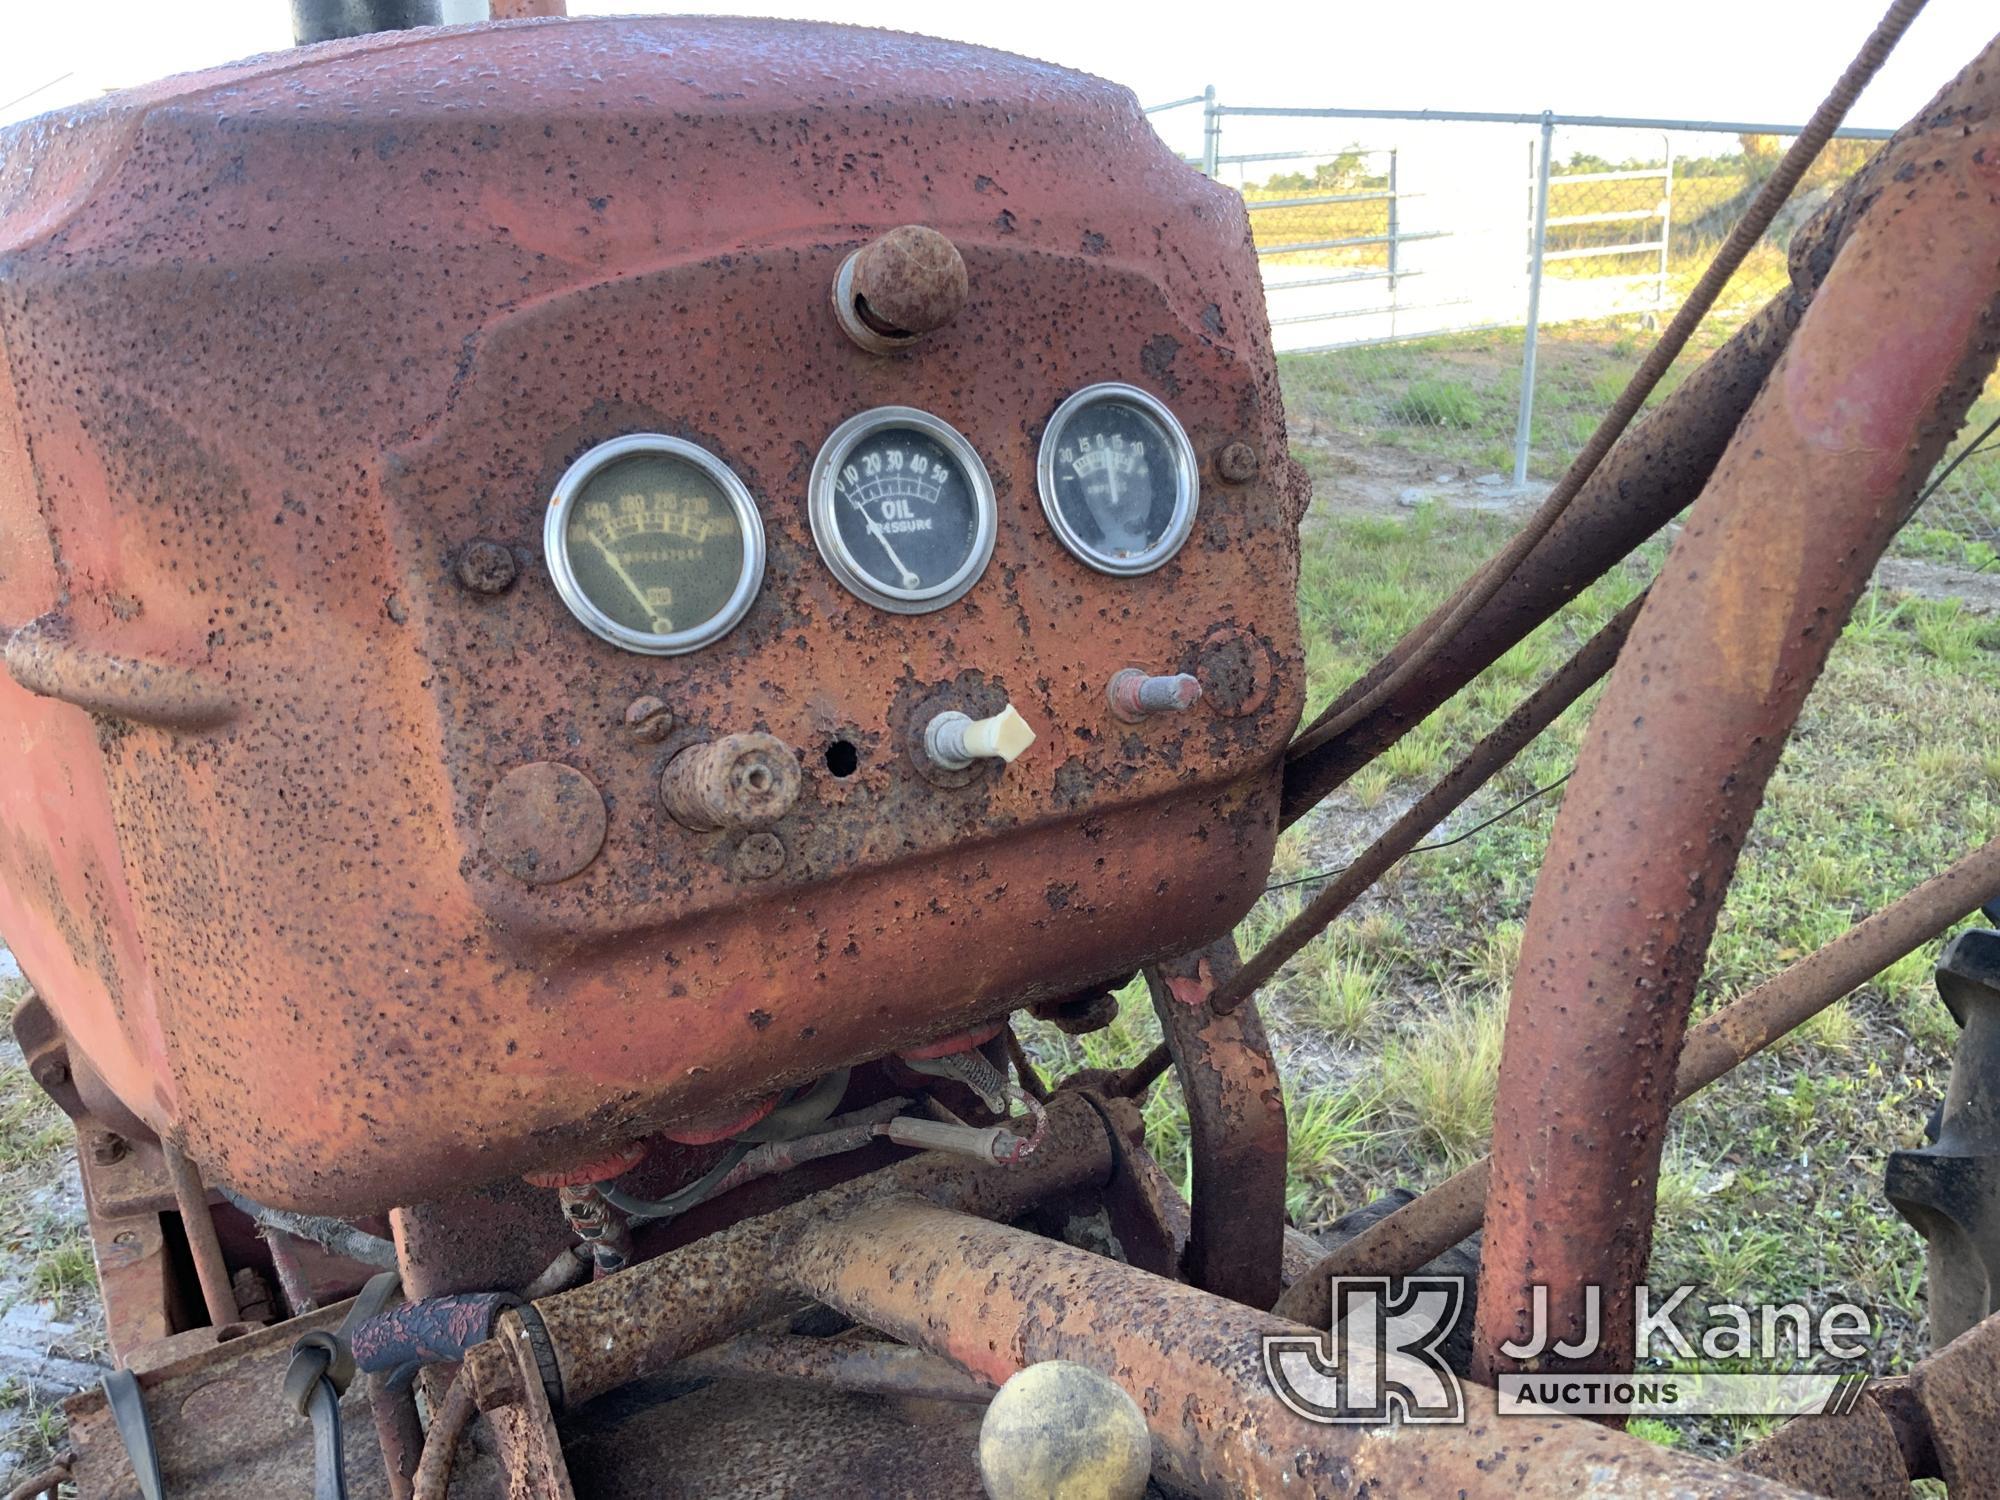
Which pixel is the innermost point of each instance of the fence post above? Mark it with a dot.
(1524, 422)
(1211, 131)
(1394, 223)
(1666, 230)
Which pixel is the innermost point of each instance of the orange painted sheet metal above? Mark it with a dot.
(291, 342)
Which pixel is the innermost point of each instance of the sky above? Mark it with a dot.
(1763, 60)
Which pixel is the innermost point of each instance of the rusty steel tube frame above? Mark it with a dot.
(1426, 1227)
(993, 1300)
(652, 1315)
(1815, 483)
(1236, 1127)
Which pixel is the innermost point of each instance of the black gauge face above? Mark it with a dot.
(1118, 479)
(902, 509)
(654, 544)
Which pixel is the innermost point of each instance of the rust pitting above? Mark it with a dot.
(293, 532)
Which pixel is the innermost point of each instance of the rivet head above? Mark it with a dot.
(486, 567)
(1237, 463)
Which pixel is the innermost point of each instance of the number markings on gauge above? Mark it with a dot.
(654, 544)
(902, 509)
(1118, 479)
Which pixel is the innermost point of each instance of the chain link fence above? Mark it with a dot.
(1457, 297)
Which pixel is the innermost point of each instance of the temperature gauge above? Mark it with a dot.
(902, 509)
(1118, 479)
(654, 544)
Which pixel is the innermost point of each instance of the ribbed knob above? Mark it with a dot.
(738, 781)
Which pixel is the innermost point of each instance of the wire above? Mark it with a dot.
(1975, 446)
(1457, 838)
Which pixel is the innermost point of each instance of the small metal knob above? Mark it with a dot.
(1135, 696)
(954, 740)
(739, 781)
(899, 287)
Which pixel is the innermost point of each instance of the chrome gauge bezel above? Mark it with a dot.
(1187, 481)
(555, 545)
(833, 550)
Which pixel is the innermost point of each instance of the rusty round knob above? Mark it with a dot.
(1058, 1428)
(899, 287)
(738, 781)
(543, 822)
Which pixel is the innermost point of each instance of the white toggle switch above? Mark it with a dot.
(953, 741)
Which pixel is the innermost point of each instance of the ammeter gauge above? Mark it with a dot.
(654, 544)
(902, 509)
(1118, 479)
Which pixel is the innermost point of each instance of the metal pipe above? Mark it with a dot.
(293, 1285)
(454, 1415)
(1816, 481)
(335, 1236)
(1538, 234)
(330, 20)
(652, 1315)
(209, 1266)
(1583, 122)
(1426, 1227)
(1211, 131)
(994, 1300)
(1395, 228)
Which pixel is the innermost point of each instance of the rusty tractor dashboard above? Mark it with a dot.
(563, 578)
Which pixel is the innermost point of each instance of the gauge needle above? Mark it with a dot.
(638, 595)
(910, 580)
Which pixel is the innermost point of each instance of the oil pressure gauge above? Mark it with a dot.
(902, 509)
(654, 544)
(1118, 479)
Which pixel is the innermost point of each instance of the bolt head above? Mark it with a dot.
(108, 1148)
(648, 720)
(486, 567)
(1237, 463)
(760, 856)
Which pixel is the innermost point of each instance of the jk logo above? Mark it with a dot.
(1379, 1362)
